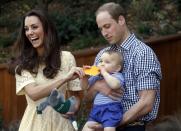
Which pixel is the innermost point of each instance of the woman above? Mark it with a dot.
(40, 67)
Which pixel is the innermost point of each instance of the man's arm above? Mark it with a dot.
(141, 108)
(98, 86)
(102, 87)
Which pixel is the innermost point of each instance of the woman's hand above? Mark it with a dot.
(75, 72)
(71, 114)
(68, 115)
(76, 106)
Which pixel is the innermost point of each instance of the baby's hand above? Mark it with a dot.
(102, 70)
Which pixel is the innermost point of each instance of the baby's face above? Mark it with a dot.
(110, 62)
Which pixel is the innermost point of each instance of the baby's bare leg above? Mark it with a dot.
(90, 126)
(109, 129)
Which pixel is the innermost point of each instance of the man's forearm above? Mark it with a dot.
(90, 94)
(102, 87)
(99, 86)
(141, 108)
(135, 112)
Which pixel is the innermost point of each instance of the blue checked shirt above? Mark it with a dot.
(141, 70)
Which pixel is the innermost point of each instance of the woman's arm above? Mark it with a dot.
(36, 92)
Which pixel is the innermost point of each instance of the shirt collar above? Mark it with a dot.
(127, 42)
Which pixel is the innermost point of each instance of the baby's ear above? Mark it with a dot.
(119, 67)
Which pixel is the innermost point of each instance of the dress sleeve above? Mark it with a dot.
(73, 85)
(22, 80)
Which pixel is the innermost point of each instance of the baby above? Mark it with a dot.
(106, 111)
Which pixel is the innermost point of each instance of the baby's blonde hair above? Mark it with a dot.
(118, 53)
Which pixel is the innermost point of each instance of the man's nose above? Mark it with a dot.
(104, 33)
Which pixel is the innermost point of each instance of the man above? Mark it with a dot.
(141, 69)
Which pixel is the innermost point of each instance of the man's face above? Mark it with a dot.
(109, 27)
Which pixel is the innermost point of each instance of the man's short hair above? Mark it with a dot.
(114, 9)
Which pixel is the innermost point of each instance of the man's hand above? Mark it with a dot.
(141, 108)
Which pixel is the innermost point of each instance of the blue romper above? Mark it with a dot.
(106, 111)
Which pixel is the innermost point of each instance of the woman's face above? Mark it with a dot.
(34, 31)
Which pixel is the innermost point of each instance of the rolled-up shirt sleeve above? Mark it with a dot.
(148, 71)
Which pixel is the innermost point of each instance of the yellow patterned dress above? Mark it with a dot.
(49, 120)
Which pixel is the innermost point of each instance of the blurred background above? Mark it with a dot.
(157, 22)
(75, 20)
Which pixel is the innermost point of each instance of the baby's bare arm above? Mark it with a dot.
(112, 81)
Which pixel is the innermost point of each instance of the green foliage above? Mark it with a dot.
(5, 41)
(143, 9)
(66, 27)
(149, 18)
(178, 3)
(144, 29)
(88, 41)
(166, 28)
(75, 20)
(72, 27)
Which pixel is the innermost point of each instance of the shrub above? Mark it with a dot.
(76, 25)
(86, 41)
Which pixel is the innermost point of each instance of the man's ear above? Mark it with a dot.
(121, 20)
